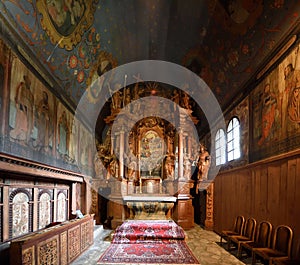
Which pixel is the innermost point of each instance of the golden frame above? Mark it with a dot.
(66, 25)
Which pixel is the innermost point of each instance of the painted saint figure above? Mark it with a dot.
(268, 113)
(294, 105)
(43, 123)
(24, 112)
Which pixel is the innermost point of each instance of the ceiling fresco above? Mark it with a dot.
(223, 41)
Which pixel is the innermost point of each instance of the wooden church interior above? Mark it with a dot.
(80, 133)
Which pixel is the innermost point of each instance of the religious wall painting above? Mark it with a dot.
(66, 21)
(3, 61)
(43, 121)
(275, 109)
(152, 149)
(96, 80)
(1, 84)
(196, 61)
(21, 112)
(31, 110)
(236, 16)
(74, 136)
(86, 149)
(63, 132)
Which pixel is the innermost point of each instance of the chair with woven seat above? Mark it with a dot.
(236, 230)
(246, 235)
(281, 246)
(261, 238)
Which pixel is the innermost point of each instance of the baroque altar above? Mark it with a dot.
(146, 157)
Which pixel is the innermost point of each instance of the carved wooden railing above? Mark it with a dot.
(59, 245)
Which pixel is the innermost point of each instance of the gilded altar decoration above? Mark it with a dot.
(66, 21)
(96, 80)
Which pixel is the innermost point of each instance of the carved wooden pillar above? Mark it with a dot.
(112, 144)
(180, 153)
(209, 221)
(189, 146)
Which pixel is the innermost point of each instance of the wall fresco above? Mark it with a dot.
(276, 110)
(36, 125)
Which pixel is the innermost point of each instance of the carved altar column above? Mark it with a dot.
(184, 210)
(121, 157)
(112, 145)
(189, 146)
(180, 153)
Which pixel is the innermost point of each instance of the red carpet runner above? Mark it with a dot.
(148, 242)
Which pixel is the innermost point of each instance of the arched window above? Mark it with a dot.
(220, 144)
(233, 139)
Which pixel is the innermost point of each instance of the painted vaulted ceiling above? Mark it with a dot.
(226, 42)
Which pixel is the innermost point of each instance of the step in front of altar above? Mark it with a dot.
(134, 231)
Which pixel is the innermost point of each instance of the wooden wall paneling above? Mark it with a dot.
(273, 196)
(283, 190)
(291, 184)
(297, 211)
(263, 187)
(229, 190)
(266, 190)
(247, 193)
(239, 189)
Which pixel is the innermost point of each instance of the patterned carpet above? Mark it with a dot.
(148, 242)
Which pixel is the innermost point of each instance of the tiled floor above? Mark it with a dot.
(204, 244)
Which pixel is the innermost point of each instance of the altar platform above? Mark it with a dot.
(145, 206)
(149, 198)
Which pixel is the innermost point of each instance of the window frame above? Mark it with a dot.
(233, 143)
(220, 147)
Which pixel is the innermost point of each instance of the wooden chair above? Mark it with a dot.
(261, 238)
(247, 234)
(236, 230)
(281, 246)
(287, 261)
